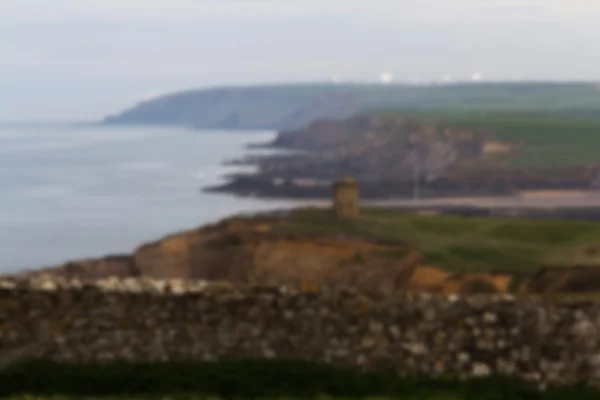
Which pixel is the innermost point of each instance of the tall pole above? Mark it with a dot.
(416, 190)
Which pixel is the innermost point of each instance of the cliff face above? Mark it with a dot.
(249, 251)
(388, 153)
(374, 148)
(258, 251)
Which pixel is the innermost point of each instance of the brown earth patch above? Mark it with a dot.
(495, 148)
(428, 278)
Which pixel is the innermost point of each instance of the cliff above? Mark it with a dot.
(256, 251)
(282, 107)
(388, 153)
(382, 252)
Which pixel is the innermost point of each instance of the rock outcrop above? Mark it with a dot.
(256, 250)
(253, 251)
(576, 279)
(388, 153)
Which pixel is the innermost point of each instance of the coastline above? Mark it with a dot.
(257, 186)
(394, 165)
(561, 204)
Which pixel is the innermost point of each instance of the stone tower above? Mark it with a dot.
(345, 198)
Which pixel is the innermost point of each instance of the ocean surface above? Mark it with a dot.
(71, 192)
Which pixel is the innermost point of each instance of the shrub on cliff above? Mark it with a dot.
(473, 286)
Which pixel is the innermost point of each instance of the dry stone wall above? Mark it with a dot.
(546, 342)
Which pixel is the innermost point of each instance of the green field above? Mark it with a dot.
(474, 244)
(542, 139)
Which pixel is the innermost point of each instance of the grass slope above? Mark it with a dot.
(475, 244)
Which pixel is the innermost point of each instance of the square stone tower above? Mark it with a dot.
(345, 198)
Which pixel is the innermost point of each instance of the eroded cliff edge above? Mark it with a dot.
(276, 249)
(256, 251)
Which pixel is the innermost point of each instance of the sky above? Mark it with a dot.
(77, 60)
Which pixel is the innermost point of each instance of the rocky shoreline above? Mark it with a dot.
(263, 186)
(395, 157)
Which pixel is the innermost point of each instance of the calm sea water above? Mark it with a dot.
(73, 192)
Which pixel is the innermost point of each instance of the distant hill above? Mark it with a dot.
(286, 107)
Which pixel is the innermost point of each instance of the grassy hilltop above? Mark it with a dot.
(477, 244)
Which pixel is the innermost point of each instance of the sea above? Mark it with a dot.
(74, 191)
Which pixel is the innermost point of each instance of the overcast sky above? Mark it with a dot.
(82, 59)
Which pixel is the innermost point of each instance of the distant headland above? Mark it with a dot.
(294, 106)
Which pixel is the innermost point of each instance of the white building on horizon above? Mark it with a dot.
(386, 78)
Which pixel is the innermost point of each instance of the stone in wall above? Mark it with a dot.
(550, 343)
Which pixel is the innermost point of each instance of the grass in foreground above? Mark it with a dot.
(254, 379)
(440, 396)
(474, 244)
